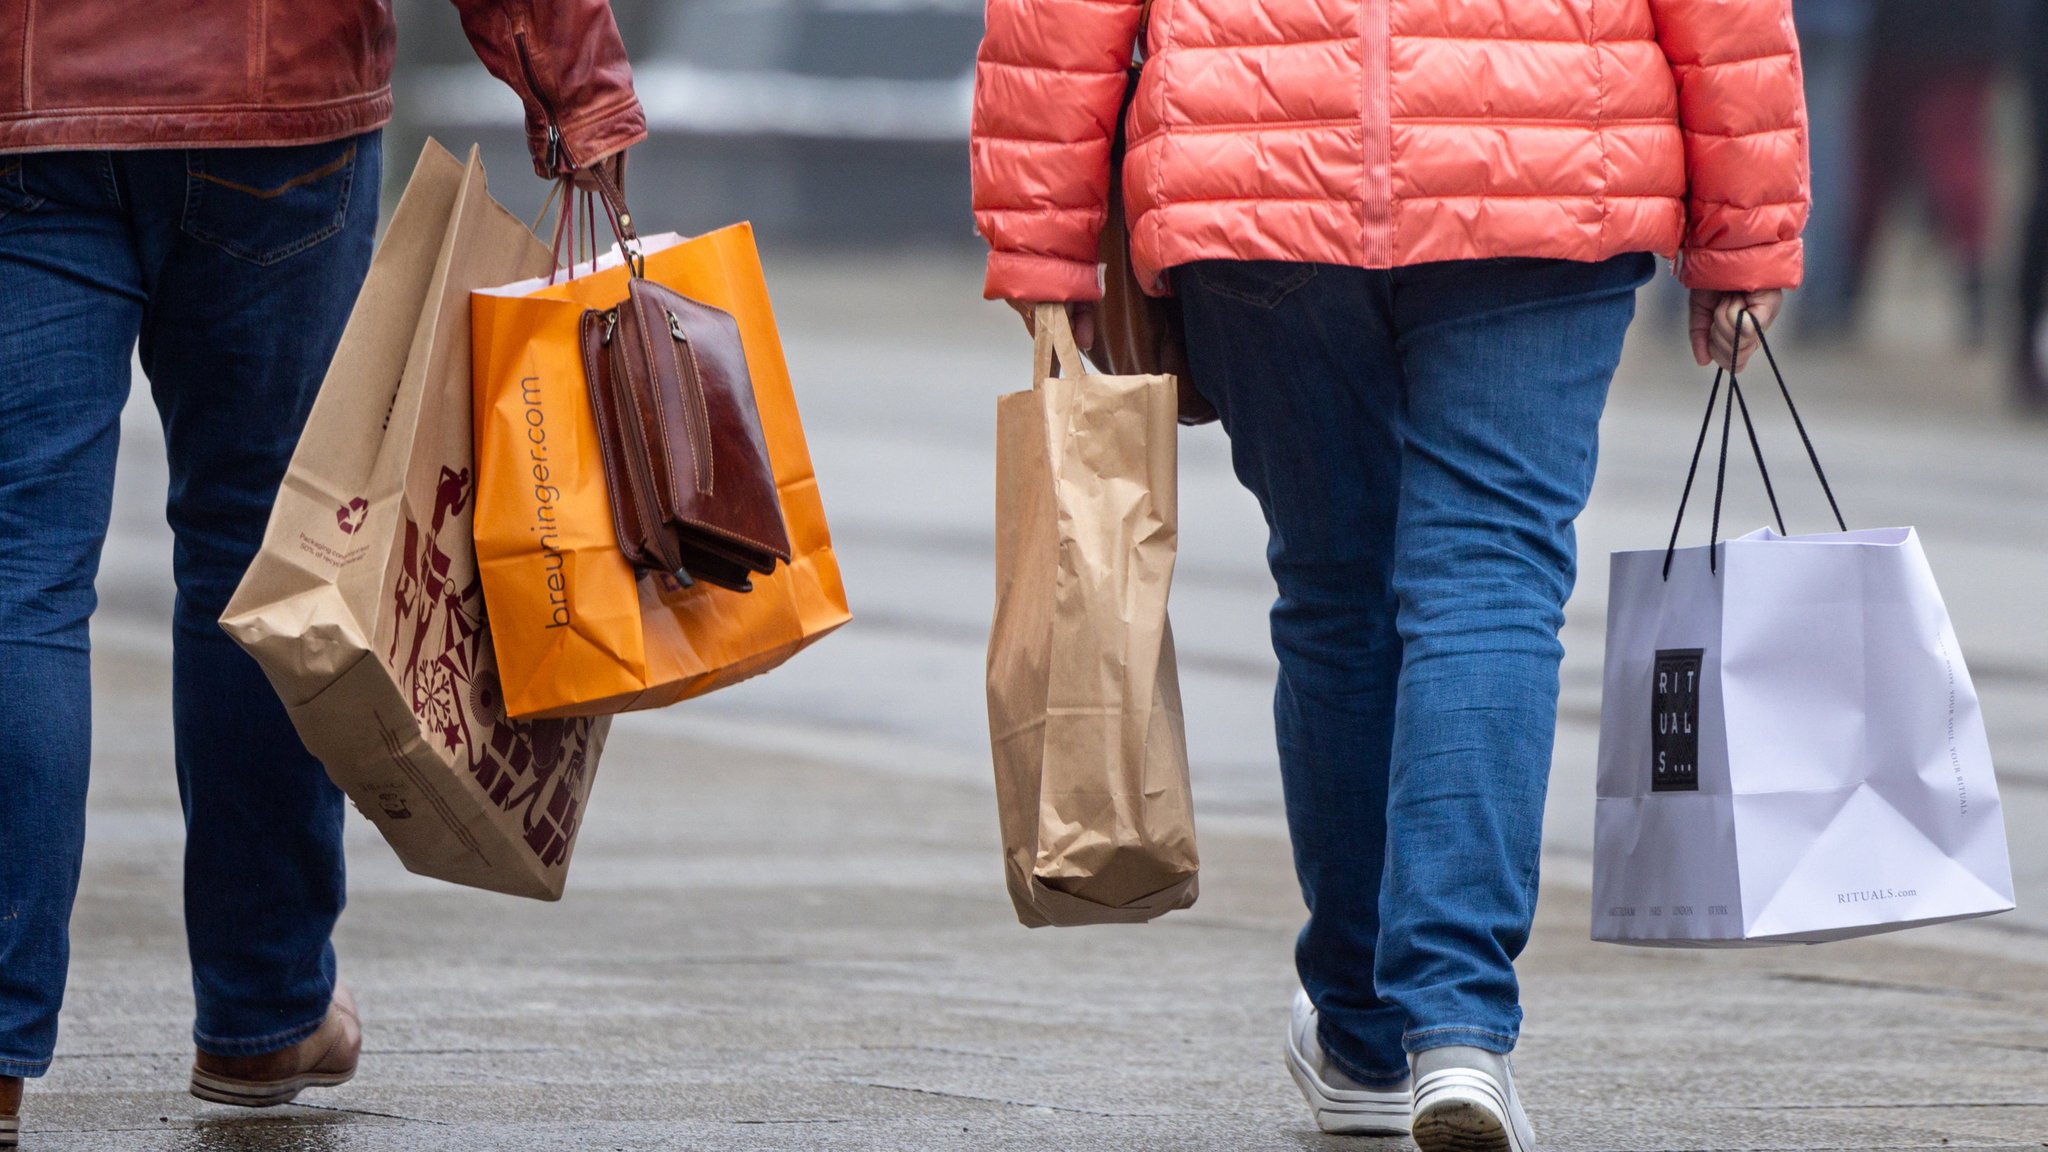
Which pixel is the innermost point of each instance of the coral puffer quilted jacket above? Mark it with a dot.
(1381, 133)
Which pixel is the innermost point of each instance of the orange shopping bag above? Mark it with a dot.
(578, 633)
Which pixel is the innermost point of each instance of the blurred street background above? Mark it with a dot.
(785, 926)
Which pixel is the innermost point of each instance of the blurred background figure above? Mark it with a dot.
(2032, 328)
(1925, 119)
(1834, 42)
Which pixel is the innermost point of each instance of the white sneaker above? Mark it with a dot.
(1465, 1101)
(1341, 1105)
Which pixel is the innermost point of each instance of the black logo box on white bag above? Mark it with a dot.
(1791, 750)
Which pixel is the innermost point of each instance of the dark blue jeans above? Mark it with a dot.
(235, 269)
(1421, 441)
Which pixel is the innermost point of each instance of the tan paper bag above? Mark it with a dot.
(364, 606)
(1083, 697)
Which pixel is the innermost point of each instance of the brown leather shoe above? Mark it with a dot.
(322, 1060)
(10, 1111)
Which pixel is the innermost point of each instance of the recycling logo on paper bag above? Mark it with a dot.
(1675, 720)
(350, 515)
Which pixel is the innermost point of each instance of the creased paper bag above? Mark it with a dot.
(1791, 749)
(364, 606)
(1083, 696)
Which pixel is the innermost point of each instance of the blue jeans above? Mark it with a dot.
(1421, 441)
(235, 269)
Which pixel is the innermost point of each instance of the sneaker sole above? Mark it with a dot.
(1457, 1112)
(1338, 1115)
(262, 1093)
(1461, 1126)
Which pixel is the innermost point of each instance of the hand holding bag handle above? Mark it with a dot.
(1735, 400)
(1053, 350)
(579, 210)
(576, 220)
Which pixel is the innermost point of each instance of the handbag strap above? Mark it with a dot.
(612, 195)
(1053, 350)
(1734, 402)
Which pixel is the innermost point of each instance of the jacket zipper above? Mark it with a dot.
(558, 149)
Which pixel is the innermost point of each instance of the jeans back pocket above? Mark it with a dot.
(15, 198)
(1259, 283)
(263, 205)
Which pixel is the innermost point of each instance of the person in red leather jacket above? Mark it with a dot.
(199, 181)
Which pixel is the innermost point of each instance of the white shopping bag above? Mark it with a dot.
(1790, 747)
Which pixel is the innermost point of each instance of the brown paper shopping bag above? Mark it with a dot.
(1083, 696)
(365, 608)
(579, 632)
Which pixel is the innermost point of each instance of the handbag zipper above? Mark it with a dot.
(640, 471)
(700, 425)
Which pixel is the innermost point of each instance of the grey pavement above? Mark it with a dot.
(785, 925)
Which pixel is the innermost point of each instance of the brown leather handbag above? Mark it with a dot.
(1137, 334)
(692, 492)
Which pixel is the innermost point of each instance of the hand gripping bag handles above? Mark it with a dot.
(364, 605)
(1083, 695)
(648, 524)
(1790, 744)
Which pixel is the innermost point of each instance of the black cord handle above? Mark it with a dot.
(1798, 423)
(1729, 406)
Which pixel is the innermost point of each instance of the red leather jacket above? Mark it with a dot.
(85, 74)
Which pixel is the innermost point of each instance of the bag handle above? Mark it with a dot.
(612, 195)
(1735, 400)
(579, 207)
(1053, 349)
(577, 223)
(554, 190)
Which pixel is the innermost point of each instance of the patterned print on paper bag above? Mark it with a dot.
(535, 768)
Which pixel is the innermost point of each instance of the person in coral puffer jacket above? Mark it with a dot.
(1406, 237)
